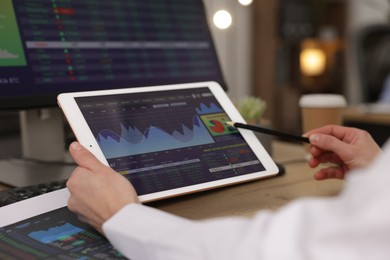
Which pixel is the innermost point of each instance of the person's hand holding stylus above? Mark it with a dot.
(345, 147)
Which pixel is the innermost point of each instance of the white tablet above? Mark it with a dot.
(167, 140)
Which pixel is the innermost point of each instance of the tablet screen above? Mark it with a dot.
(169, 139)
(58, 234)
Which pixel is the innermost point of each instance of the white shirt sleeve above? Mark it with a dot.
(354, 225)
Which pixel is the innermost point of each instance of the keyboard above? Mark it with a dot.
(21, 193)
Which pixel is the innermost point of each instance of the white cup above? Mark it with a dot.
(321, 109)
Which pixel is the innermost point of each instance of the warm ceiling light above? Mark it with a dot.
(312, 61)
(222, 19)
(245, 2)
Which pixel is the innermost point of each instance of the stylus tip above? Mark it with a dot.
(229, 123)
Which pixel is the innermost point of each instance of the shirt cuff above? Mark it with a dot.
(133, 228)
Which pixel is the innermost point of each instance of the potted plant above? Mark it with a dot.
(252, 110)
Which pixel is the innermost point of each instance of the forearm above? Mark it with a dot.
(306, 229)
(140, 232)
(315, 228)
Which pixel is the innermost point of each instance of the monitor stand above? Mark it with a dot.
(42, 139)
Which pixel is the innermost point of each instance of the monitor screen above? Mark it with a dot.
(49, 47)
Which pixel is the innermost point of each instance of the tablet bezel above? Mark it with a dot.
(85, 136)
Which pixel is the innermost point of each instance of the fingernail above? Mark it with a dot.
(76, 146)
(314, 138)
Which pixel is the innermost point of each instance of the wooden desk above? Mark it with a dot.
(247, 198)
(376, 121)
(362, 114)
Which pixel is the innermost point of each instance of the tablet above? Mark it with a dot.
(42, 227)
(167, 140)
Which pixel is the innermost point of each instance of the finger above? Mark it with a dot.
(315, 151)
(328, 157)
(326, 130)
(330, 173)
(329, 143)
(324, 157)
(77, 178)
(84, 158)
(337, 131)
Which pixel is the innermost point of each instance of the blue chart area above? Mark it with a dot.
(55, 233)
(204, 109)
(132, 141)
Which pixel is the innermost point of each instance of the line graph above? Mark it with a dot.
(204, 109)
(11, 48)
(154, 122)
(4, 54)
(132, 141)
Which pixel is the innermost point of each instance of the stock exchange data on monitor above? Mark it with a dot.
(53, 46)
(168, 139)
(55, 235)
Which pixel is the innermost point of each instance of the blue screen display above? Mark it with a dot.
(168, 139)
(49, 47)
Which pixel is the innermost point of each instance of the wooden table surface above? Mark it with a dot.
(364, 114)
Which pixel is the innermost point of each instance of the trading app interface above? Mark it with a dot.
(55, 46)
(55, 235)
(168, 139)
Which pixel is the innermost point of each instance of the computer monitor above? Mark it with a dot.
(49, 47)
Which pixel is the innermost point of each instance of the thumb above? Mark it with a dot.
(329, 143)
(84, 157)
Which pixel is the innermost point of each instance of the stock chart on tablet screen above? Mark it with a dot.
(168, 139)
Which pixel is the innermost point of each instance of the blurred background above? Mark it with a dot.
(278, 50)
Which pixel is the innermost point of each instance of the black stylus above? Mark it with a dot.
(269, 132)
